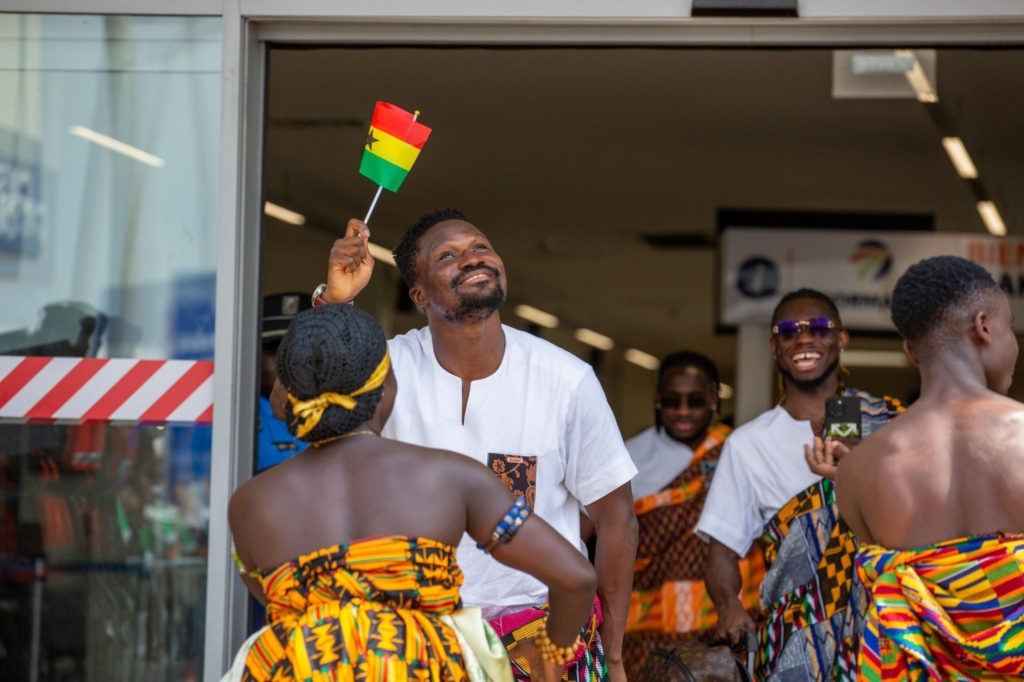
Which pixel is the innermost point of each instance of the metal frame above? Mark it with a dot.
(237, 332)
(250, 24)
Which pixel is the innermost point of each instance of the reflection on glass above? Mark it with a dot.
(108, 177)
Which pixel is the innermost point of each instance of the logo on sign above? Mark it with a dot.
(758, 277)
(872, 259)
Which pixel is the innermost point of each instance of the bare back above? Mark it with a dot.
(941, 471)
(356, 489)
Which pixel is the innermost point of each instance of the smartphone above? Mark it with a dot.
(842, 418)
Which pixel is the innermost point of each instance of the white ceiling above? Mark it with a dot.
(565, 156)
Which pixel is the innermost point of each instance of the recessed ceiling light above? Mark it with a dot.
(283, 214)
(961, 159)
(531, 314)
(592, 338)
(919, 80)
(993, 221)
(645, 360)
(117, 146)
(380, 253)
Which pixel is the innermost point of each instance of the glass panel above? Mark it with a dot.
(108, 199)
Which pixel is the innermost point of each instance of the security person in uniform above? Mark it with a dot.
(275, 443)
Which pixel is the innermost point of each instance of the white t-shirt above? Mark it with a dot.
(762, 467)
(659, 458)
(542, 402)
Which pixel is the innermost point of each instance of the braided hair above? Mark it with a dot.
(331, 348)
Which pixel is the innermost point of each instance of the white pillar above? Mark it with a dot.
(753, 371)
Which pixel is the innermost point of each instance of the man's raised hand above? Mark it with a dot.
(351, 264)
(823, 457)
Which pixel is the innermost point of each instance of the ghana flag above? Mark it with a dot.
(394, 142)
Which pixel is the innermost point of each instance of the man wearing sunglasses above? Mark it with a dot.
(676, 460)
(764, 488)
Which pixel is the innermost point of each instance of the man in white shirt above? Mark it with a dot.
(535, 414)
(764, 487)
(676, 459)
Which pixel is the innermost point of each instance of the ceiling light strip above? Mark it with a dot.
(592, 338)
(283, 214)
(965, 167)
(531, 314)
(993, 221)
(642, 359)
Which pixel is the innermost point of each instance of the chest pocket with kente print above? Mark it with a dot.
(518, 473)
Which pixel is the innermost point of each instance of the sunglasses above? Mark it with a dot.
(787, 330)
(673, 401)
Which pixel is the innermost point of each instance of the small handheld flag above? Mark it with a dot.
(394, 142)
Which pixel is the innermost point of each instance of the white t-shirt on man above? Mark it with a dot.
(659, 459)
(541, 403)
(762, 467)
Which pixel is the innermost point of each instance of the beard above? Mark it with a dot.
(808, 385)
(475, 307)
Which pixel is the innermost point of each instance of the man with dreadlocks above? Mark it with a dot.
(765, 489)
(676, 459)
(531, 412)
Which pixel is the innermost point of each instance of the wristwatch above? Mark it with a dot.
(318, 296)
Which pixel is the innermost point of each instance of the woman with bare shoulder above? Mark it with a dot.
(351, 543)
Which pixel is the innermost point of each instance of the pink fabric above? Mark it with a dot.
(513, 621)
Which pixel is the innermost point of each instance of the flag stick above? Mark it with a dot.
(380, 188)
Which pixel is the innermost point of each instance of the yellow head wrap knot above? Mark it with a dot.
(310, 411)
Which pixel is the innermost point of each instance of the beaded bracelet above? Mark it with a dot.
(551, 652)
(509, 525)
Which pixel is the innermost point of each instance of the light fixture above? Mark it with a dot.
(725, 391)
(919, 80)
(875, 358)
(993, 221)
(283, 214)
(117, 146)
(380, 253)
(592, 338)
(531, 314)
(960, 158)
(645, 360)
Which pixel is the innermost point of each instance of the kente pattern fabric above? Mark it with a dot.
(951, 611)
(363, 612)
(669, 601)
(812, 603)
(588, 666)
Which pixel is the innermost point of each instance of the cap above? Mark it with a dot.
(278, 311)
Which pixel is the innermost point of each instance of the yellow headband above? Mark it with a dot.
(313, 409)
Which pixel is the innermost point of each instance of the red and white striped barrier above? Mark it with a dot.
(102, 390)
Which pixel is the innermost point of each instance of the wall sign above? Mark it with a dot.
(857, 269)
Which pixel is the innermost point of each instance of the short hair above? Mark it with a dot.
(408, 248)
(331, 348)
(808, 295)
(933, 293)
(689, 358)
(683, 359)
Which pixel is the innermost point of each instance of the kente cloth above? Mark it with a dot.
(812, 604)
(589, 665)
(369, 611)
(951, 611)
(669, 602)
